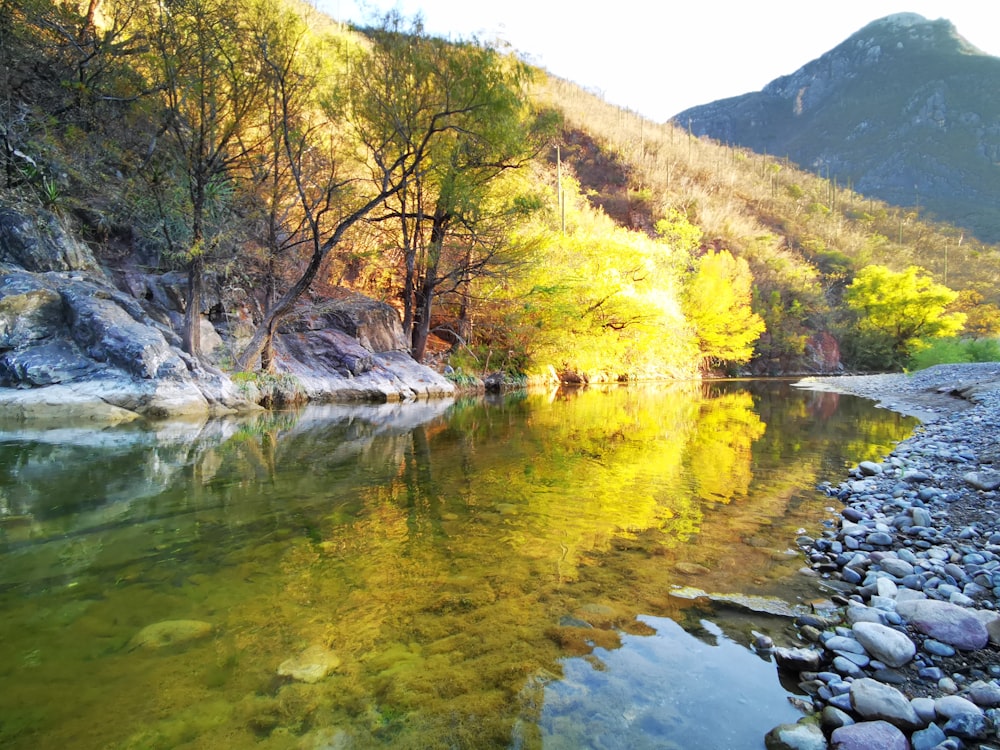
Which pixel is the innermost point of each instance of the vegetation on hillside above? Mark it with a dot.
(516, 222)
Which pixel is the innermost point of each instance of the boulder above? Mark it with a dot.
(884, 643)
(867, 735)
(874, 701)
(945, 622)
(41, 243)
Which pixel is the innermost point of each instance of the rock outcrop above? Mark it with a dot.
(73, 345)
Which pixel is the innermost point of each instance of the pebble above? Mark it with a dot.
(915, 559)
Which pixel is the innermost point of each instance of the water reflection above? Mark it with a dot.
(465, 563)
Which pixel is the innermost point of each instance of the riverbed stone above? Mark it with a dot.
(946, 622)
(803, 735)
(310, 665)
(867, 735)
(798, 659)
(951, 706)
(170, 633)
(928, 738)
(875, 701)
(984, 694)
(884, 643)
(896, 567)
(986, 481)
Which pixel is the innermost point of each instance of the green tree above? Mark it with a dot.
(717, 303)
(207, 71)
(895, 310)
(473, 101)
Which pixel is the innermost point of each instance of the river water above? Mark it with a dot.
(517, 573)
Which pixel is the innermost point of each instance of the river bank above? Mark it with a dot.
(910, 658)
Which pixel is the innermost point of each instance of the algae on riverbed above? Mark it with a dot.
(454, 567)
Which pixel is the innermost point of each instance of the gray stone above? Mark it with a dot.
(867, 735)
(884, 643)
(833, 718)
(946, 622)
(870, 468)
(951, 706)
(800, 736)
(984, 694)
(896, 567)
(967, 726)
(987, 481)
(928, 738)
(798, 659)
(874, 701)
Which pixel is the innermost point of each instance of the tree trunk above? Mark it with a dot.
(192, 312)
(425, 292)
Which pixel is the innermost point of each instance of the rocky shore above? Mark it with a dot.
(908, 655)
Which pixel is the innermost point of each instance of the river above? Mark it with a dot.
(507, 573)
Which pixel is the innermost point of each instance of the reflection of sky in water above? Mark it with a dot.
(665, 691)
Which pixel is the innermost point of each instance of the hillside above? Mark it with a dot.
(905, 110)
(515, 223)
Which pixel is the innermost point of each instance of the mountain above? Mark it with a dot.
(905, 110)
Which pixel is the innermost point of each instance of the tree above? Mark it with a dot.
(717, 302)
(387, 126)
(207, 73)
(895, 310)
(449, 224)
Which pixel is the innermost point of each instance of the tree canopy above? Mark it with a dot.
(897, 309)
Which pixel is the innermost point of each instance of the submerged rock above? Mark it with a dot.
(170, 633)
(311, 665)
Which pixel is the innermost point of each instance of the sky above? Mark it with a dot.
(659, 57)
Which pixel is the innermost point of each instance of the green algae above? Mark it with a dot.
(437, 569)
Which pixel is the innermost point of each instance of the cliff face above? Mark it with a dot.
(73, 345)
(905, 110)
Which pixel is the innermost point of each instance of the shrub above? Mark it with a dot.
(944, 351)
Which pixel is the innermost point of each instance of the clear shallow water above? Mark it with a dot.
(482, 575)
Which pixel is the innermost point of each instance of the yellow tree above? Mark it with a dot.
(717, 303)
(897, 309)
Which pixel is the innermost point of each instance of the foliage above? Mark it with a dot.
(942, 351)
(271, 390)
(897, 311)
(717, 303)
(273, 155)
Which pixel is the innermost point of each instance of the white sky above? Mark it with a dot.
(661, 57)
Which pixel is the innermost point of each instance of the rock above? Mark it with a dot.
(877, 702)
(798, 659)
(987, 481)
(984, 694)
(311, 665)
(870, 468)
(884, 643)
(867, 735)
(928, 739)
(951, 706)
(946, 622)
(833, 718)
(41, 243)
(691, 569)
(800, 736)
(170, 633)
(896, 567)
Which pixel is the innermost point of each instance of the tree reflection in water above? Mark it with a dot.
(466, 563)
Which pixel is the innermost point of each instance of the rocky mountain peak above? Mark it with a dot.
(905, 109)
